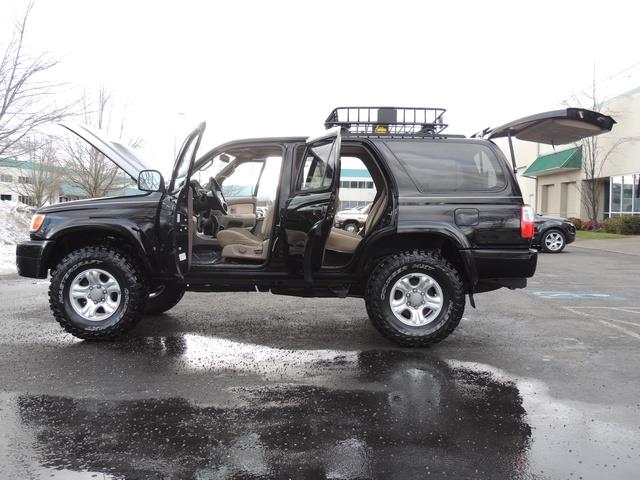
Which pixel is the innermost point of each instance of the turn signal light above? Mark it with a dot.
(36, 222)
(527, 222)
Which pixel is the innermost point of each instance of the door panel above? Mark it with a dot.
(310, 209)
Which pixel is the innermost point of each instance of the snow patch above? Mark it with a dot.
(14, 228)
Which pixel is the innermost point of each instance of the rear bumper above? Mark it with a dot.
(505, 264)
(32, 258)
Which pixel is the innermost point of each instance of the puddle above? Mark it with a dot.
(332, 414)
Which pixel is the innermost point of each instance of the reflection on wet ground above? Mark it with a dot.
(407, 415)
(254, 411)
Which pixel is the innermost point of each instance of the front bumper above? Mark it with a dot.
(32, 258)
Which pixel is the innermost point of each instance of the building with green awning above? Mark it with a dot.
(563, 161)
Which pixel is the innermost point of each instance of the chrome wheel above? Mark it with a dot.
(416, 299)
(95, 294)
(554, 241)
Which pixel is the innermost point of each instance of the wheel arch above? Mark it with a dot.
(447, 243)
(123, 237)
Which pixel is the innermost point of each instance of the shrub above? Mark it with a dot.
(588, 225)
(625, 225)
(576, 222)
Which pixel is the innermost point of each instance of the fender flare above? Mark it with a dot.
(115, 226)
(441, 229)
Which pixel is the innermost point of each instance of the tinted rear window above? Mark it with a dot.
(450, 167)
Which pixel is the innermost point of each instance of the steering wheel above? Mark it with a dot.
(217, 200)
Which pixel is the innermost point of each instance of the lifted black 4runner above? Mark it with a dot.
(447, 221)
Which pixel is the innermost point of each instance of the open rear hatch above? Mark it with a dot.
(557, 127)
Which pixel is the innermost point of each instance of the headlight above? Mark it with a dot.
(36, 222)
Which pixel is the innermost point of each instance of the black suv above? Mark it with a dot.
(447, 221)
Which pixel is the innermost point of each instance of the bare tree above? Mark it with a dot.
(26, 100)
(594, 154)
(86, 167)
(40, 174)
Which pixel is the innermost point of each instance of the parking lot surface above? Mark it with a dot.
(537, 383)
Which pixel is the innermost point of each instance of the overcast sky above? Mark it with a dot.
(278, 68)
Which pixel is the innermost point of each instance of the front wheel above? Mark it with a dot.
(164, 297)
(415, 298)
(553, 241)
(97, 293)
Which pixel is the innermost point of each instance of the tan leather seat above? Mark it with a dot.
(346, 242)
(242, 236)
(242, 244)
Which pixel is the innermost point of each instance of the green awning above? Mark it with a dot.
(565, 160)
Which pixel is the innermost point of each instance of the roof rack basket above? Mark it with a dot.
(388, 120)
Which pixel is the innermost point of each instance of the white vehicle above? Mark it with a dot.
(352, 220)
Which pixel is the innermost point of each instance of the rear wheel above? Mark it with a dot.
(553, 241)
(415, 298)
(97, 293)
(351, 227)
(164, 298)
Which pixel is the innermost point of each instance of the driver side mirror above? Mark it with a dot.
(150, 181)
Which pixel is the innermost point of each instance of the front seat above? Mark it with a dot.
(242, 236)
(346, 242)
(241, 243)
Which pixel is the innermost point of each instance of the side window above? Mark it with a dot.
(316, 172)
(270, 179)
(450, 167)
(243, 180)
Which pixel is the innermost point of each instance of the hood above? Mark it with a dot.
(120, 154)
(98, 202)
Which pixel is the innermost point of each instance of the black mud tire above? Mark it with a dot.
(164, 298)
(128, 274)
(381, 282)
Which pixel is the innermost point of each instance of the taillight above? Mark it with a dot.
(527, 223)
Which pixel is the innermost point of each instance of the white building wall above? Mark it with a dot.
(624, 160)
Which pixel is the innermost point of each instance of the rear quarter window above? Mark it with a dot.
(450, 167)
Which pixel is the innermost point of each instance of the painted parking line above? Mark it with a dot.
(612, 320)
(555, 295)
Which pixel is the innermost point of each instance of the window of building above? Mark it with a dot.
(26, 180)
(624, 195)
(5, 197)
(27, 200)
(6, 178)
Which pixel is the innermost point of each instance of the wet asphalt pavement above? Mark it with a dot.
(542, 383)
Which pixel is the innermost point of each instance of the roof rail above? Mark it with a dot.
(382, 121)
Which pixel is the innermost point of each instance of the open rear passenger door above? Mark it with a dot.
(311, 207)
